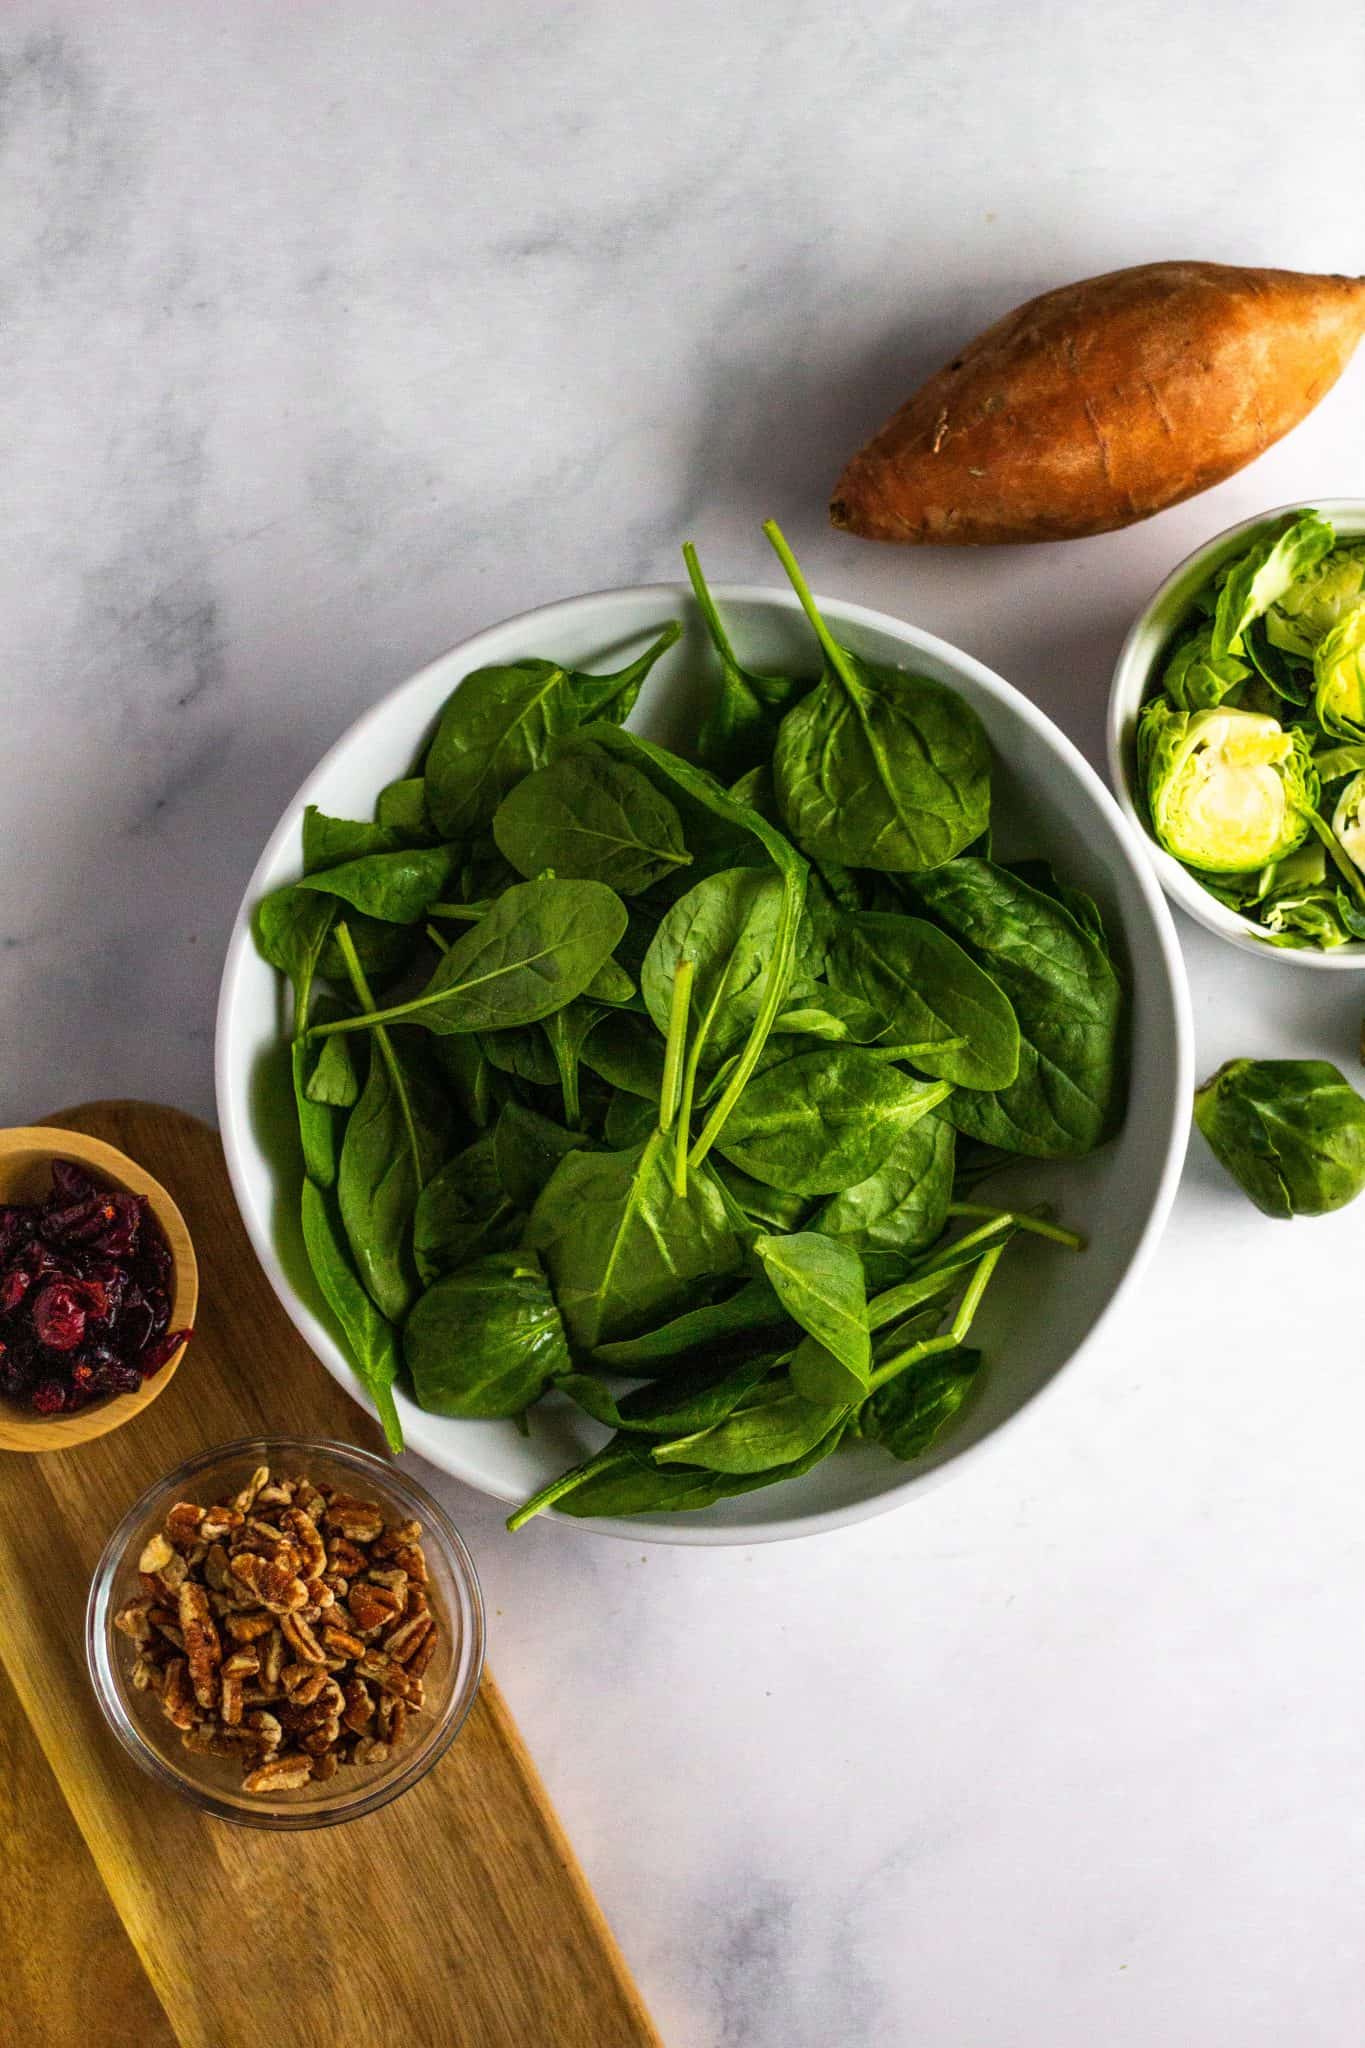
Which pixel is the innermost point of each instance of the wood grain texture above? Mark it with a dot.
(455, 1918)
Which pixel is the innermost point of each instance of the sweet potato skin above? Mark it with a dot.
(1101, 403)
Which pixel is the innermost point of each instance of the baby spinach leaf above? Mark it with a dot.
(383, 950)
(690, 1339)
(401, 807)
(829, 1013)
(820, 1284)
(902, 1207)
(773, 1426)
(487, 1340)
(704, 793)
(334, 1079)
(501, 722)
(629, 1120)
(611, 984)
(328, 842)
(686, 1402)
(1042, 876)
(627, 1051)
(370, 1338)
(876, 768)
(928, 989)
(911, 1412)
(463, 1212)
(379, 1178)
(537, 948)
(737, 733)
(593, 819)
(729, 927)
(566, 1032)
(768, 1207)
(527, 1147)
(622, 1248)
(396, 887)
(292, 930)
(470, 1078)
(824, 1120)
(1067, 1096)
(523, 1051)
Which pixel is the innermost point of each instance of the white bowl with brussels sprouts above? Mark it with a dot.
(704, 1201)
(1236, 734)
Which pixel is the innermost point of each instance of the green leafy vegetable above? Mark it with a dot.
(1265, 574)
(370, 1337)
(822, 1121)
(592, 819)
(502, 722)
(465, 1210)
(736, 736)
(537, 948)
(876, 768)
(1290, 1132)
(820, 1284)
(929, 990)
(1068, 1093)
(487, 1340)
(396, 887)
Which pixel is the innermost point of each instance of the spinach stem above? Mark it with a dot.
(1024, 1219)
(929, 1347)
(774, 994)
(472, 912)
(707, 606)
(565, 1483)
(437, 940)
(836, 656)
(673, 1045)
(361, 986)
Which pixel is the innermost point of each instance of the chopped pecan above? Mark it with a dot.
(183, 1524)
(303, 1683)
(395, 1539)
(203, 1651)
(303, 1532)
(421, 1657)
(345, 1558)
(372, 1607)
(135, 1620)
(147, 1676)
(341, 1644)
(393, 1720)
(216, 1568)
(301, 1639)
(173, 1573)
(218, 1522)
(325, 1766)
(360, 1521)
(395, 1580)
(359, 1709)
(403, 1642)
(274, 1660)
(177, 1695)
(309, 1498)
(244, 1663)
(284, 1773)
(266, 1729)
(320, 1595)
(418, 1602)
(276, 1493)
(388, 1677)
(156, 1554)
(230, 1699)
(273, 1585)
(250, 1627)
(365, 1750)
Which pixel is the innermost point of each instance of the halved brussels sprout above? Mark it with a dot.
(1317, 602)
(1339, 678)
(1227, 790)
(1347, 821)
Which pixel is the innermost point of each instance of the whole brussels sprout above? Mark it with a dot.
(1290, 1132)
(1227, 790)
(1339, 678)
(1317, 602)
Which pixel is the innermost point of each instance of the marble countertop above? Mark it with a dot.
(332, 334)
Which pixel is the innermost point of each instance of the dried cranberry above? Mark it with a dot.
(164, 1348)
(50, 1398)
(15, 1282)
(16, 1366)
(15, 1222)
(59, 1316)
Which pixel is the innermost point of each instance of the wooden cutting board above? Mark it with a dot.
(455, 1918)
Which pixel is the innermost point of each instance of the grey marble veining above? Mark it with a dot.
(330, 335)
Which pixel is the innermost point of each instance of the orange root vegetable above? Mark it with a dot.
(1102, 403)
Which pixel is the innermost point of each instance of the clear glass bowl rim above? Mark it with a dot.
(468, 1653)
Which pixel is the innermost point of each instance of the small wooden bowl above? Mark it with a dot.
(26, 1156)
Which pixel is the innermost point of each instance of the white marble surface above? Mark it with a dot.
(332, 333)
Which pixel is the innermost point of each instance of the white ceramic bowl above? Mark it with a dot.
(1147, 640)
(1043, 1309)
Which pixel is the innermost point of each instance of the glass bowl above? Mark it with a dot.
(214, 1783)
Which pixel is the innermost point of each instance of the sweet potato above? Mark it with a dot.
(1101, 403)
